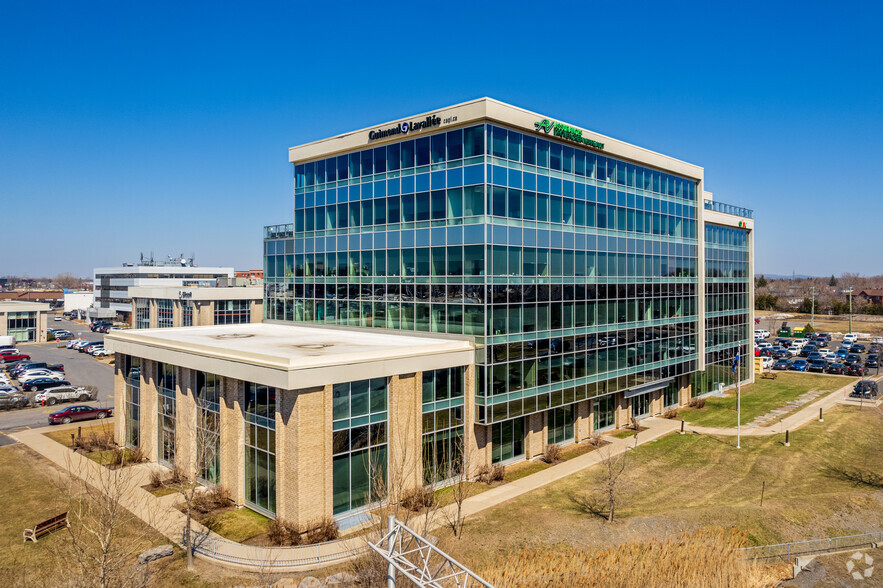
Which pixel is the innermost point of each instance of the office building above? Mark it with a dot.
(595, 282)
(162, 308)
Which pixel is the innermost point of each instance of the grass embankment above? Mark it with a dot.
(64, 436)
(759, 398)
(684, 482)
(237, 524)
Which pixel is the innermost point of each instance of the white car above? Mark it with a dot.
(877, 341)
(57, 319)
(52, 396)
(761, 334)
(101, 352)
(798, 344)
(764, 345)
(34, 374)
(850, 338)
(767, 363)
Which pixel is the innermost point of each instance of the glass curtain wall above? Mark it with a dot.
(232, 312)
(443, 396)
(727, 317)
(359, 443)
(260, 447)
(142, 314)
(166, 384)
(186, 313)
(603, 413)
(560, 424)
(132, 376)
(208, 427)
(508, 440)
(164, 314)
(22, 326)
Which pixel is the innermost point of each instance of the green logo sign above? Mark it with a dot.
(566, 132)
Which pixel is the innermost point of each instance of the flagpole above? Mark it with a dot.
(738, 403)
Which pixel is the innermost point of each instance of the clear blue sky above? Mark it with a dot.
(164, 126)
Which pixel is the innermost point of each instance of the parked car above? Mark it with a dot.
(72, 342)
(872, 361)
(43, 383)
(798, 365)
(24, 366)
(877, 341)
(857, 348)
(79, 413)
(765, 345)
(856, 369)
(63, 335)
(57, 318)
(817, 365)
(850, 338)
(762, 333)
(837, 368)
(853, 358)
(866, 388)
(841, 354)
(782, 364)
(34, 374)
(807, 349)
(783, 342)
(12, 399)
(11, 357)
(102, 352)
(52, 396)
(88, 347)
(815, 356)
(767, 363)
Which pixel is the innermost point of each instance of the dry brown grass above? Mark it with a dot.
(708, 558)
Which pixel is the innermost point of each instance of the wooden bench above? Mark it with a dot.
(47, 526)
(768, 375)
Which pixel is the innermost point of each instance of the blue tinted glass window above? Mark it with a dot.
(542, 153)
(514, 146)
(473, 141)
(367, 162)
(529, 149)
(342, 167)
(555, 156)
(499, 146)
(380, 160)
(455, 144)
(330, 170)
(422, 145)
(567, 160)
(422, 200)
(407, 154)
(437, 154)
(355, 165)
(392, 157)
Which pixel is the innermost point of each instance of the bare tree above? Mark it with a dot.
(105, 534)
(67, 280)
(461, 487)
(607, 494)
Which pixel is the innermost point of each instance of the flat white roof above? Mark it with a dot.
(22, 306)
(292, 357)
(172, 270)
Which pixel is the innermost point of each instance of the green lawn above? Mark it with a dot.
(759, 398)
(694, 481)
(237, 524)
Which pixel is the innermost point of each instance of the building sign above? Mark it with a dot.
(566, 132)
(405, 128)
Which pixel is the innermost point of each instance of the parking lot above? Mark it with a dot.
(80, 370)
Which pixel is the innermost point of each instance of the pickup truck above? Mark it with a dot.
(53, 396)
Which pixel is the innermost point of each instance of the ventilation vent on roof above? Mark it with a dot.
(313, 346)
(234, 336)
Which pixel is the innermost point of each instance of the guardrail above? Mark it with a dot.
(792, 550)
(729, 209)
(264, 558)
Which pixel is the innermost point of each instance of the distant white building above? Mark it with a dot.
(80, 300)
(111, 284)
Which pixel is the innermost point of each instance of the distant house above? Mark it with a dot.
(872, 296)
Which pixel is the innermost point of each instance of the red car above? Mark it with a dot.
(79, 412)
(9, 358)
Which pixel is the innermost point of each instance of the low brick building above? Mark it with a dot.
(299, 422)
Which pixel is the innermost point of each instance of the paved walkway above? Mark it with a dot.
(161, 514)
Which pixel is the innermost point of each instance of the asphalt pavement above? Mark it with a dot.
(80, 369)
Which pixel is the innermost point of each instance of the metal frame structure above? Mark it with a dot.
(420, 561)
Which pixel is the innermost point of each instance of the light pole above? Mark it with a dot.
(850, 309)
(812, 315)
(737, 366)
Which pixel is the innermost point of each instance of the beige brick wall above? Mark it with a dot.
(405, 403)
(535, 435)
(177, 314)
(119, 400)
(685, 390)
(148, 409)
(154, 316)
(185, 421)
(303, 454)
(232, 438)
(480, 453)
(623, 410)
(582, 424)
(656, 403)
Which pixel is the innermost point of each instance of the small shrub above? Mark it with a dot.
(552, 453)
(212, 499)
(281, 532)
(498, 472)
(176, 476)
(322, 530)
(419, 498)
(95, 442)
(671, 413)
(595, 439)
(697, 403)
(156, 479)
